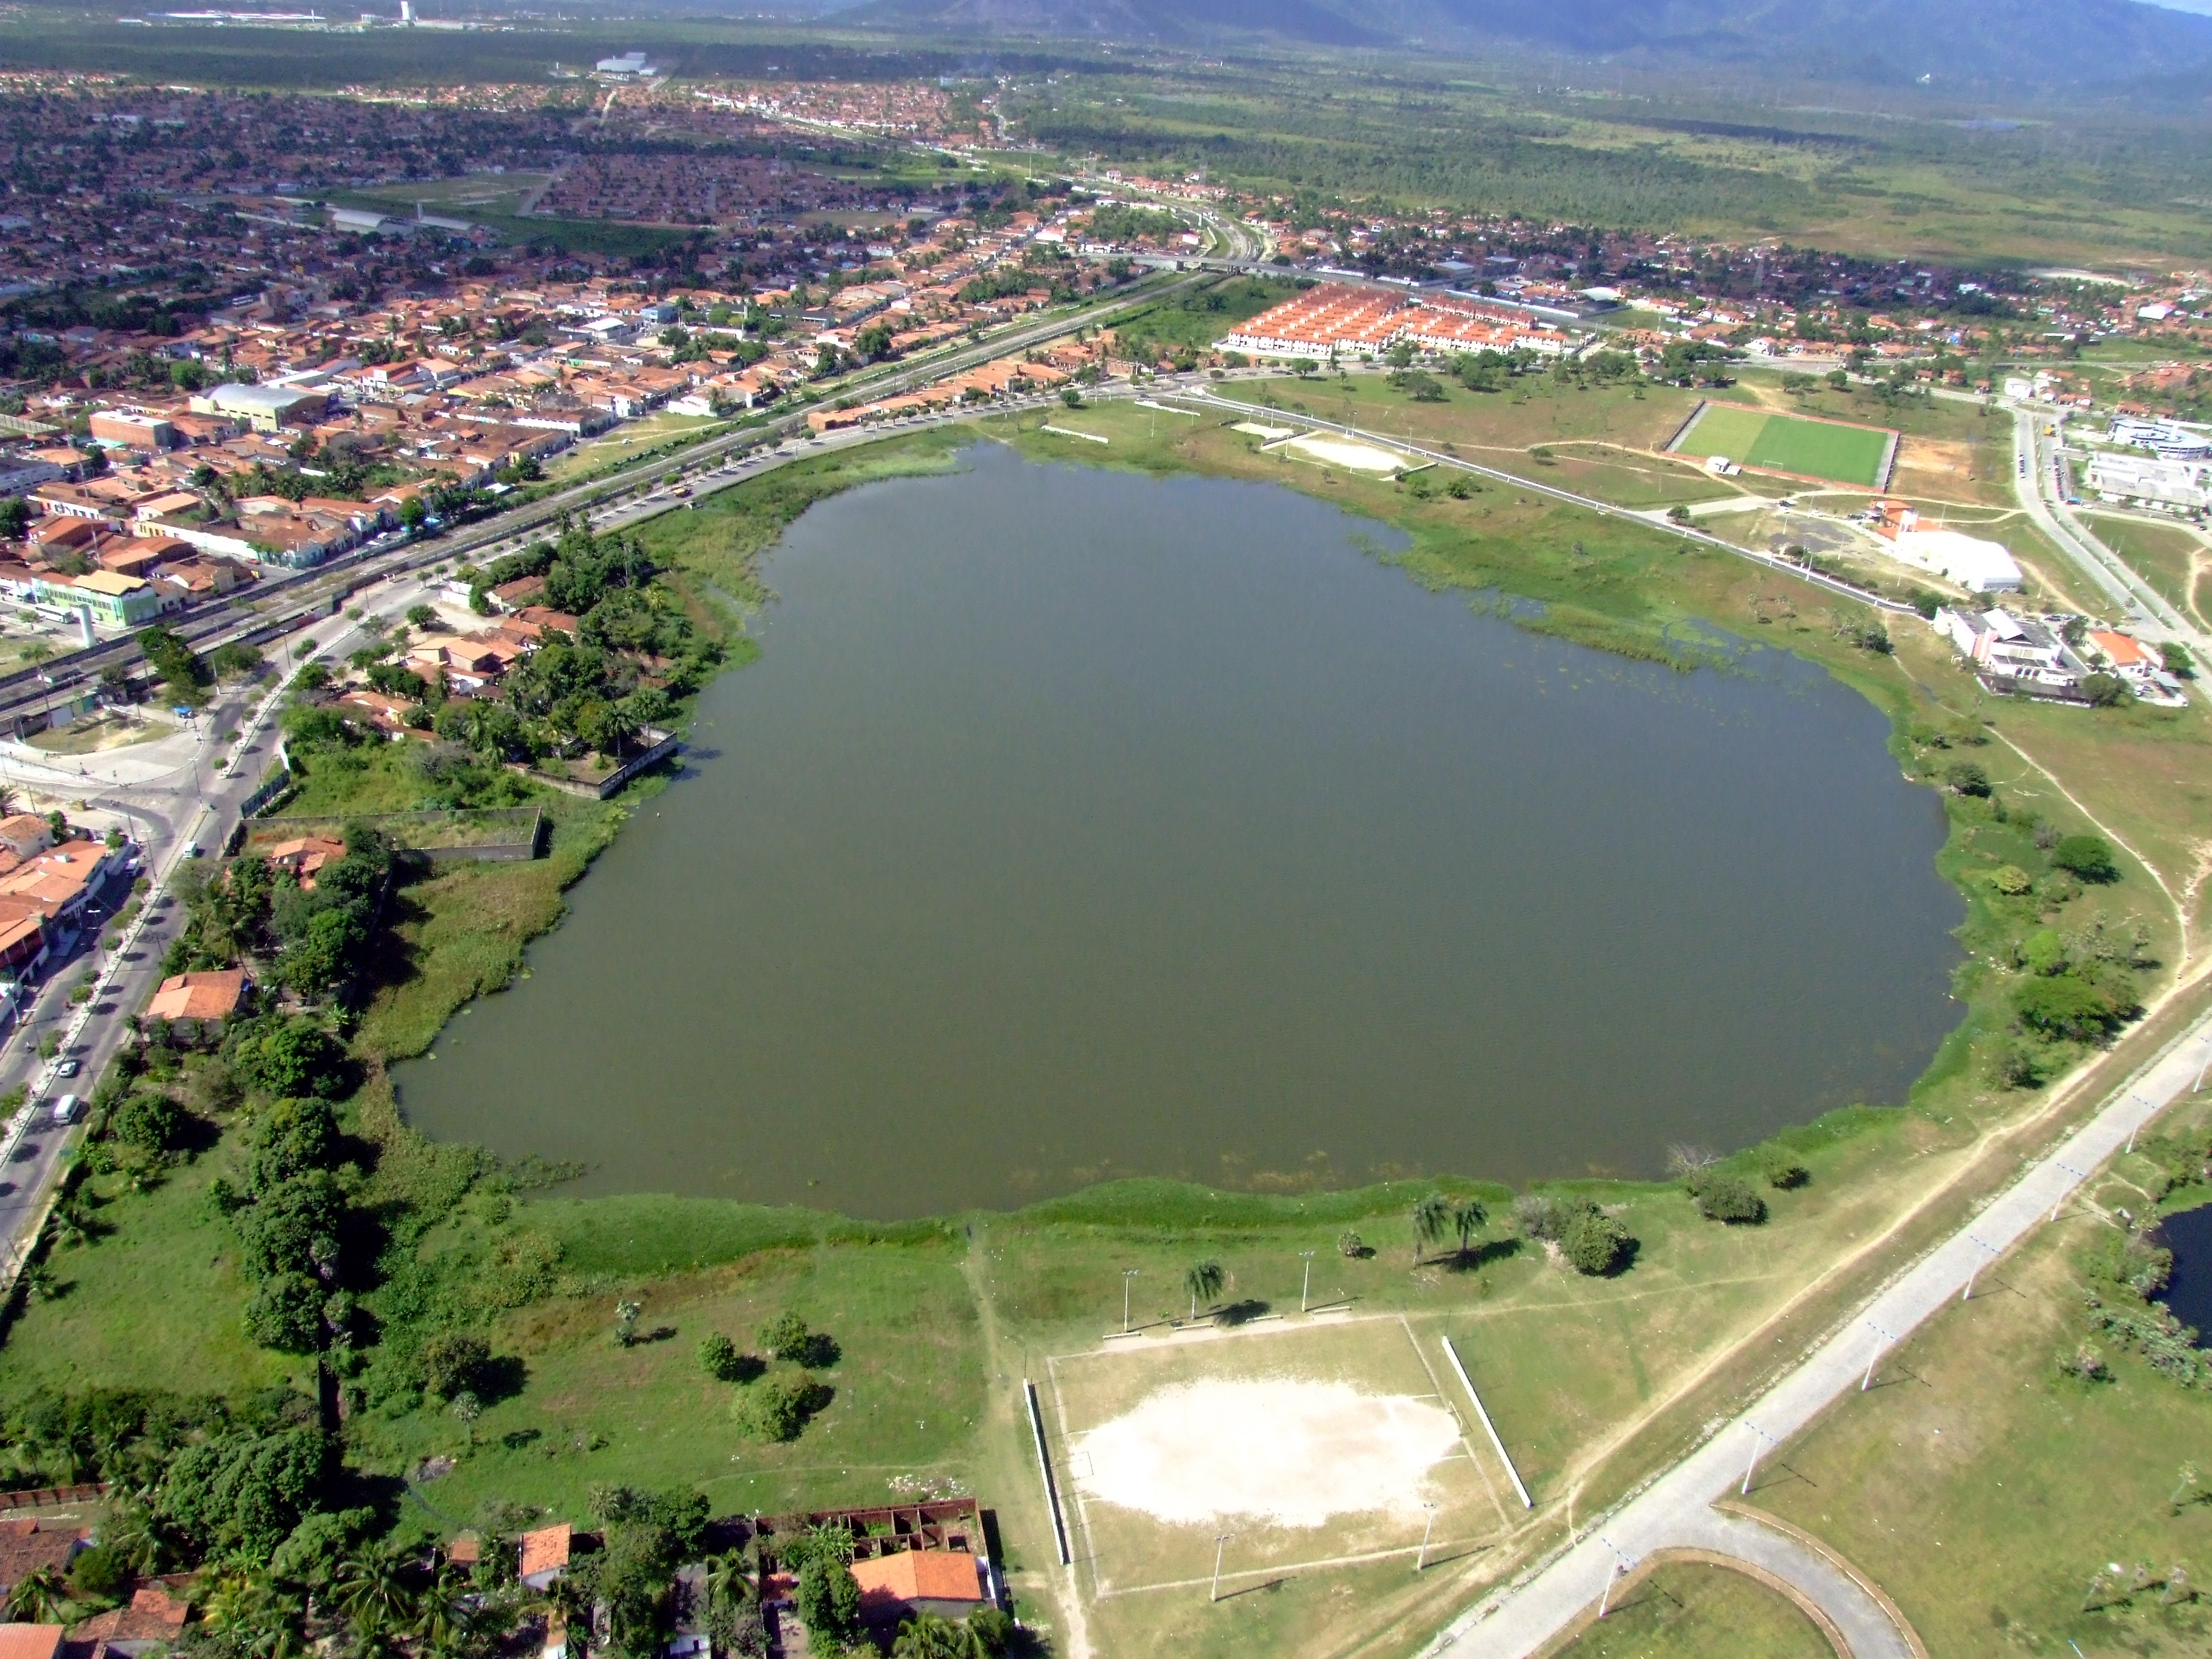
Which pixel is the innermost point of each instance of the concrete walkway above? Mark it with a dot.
(1675, 1511)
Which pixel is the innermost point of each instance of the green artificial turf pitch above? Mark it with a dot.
(1788, 443)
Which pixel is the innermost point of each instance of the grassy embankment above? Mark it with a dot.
(1594, 1383)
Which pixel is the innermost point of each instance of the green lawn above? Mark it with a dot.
(1686, 1610)
(1789, 443)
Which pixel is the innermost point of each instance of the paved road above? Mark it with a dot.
(194, 803)
(1676, 1509)
(2036, 482)
(208, 626)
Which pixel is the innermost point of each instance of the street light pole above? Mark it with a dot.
(1127, 1273)
(1421, 1561)
(1219, 1544)
(1306, 1289)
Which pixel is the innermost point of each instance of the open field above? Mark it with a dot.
(1789, 444)
(624, 443)
(1315, 1441)
(1686, 1610)
(1983, 1490)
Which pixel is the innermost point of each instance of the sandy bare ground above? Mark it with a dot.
(1290, 1452)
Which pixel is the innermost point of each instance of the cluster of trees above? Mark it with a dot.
(291, 1217)
(1591, 1242)
(1724, 1191)
(774, 1404)
(316, 937)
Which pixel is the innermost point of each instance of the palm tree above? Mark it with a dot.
(1467, 1219)
(373, 1595)
(1202, 1281)
(36, 1598)
(1431, 1217)
(445, 1623)
(729, 1578)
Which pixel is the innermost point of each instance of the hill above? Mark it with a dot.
(1953, 43)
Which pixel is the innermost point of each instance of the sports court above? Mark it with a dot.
(1311, 1444)
(1833, 451)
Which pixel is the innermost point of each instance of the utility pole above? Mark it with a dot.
(1219, 1544)
(1307, 1287)
(1421, 1561)
(1127, 1273)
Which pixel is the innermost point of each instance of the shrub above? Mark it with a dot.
(776, 1409)
(2063, 1006)
(148, 1120)
(1536, 1216)
(2089, 857)
(1968, 777)
(2011, 880)
(785, 1336)
(1726, 1197)
(1593, 1242)
(718, 1356)
(1781, 1167)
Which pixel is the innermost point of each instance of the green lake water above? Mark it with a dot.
(1075, 824)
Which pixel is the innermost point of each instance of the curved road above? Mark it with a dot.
(1676, 1510)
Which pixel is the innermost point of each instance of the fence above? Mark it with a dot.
(46, 1497)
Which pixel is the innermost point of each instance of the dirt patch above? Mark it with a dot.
(1290, 1452)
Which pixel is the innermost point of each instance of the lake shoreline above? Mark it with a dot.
(937, 452)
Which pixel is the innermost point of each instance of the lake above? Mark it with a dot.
(1075, 824)
(2188, 1234)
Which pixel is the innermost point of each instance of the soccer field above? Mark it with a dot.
(1790, 443)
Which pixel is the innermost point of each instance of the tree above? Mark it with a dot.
(1725, 1197)
(718, 1356)
(243, 1491)
(828, 1601)
(373, 1592)
(15, 518)
(926, 1636)
(2107, 690)
(454, 1363)
(1678, 514)
(38, 1598)
(1593, 1242)
(785, 1336)
(286, 1314)
(1204, 1282)
(2175, 659)
(2063, 1006)
(1432, 1220)
(1967, 777)
(1467, 1219)
(626, 1318)
(2089, 857)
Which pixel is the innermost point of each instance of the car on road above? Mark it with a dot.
(66, 1068)
(192, 849)
(65, 1111)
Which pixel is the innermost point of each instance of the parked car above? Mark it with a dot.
(65, 1111)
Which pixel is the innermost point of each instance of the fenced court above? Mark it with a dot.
(1797, 446)
(1312, 1443)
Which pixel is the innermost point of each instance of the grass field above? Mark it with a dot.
(1687, 1610)
(2171, 559)
(1789, 443)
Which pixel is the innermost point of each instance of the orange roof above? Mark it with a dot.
(30, 1641)
(2123, 652)
(545, 1550)
(199, 996)
(916, 1576)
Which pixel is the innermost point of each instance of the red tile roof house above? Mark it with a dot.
(197, 1004)
(154, 1619)
(28, 1546)
(30, 1641)
(544, 1555)
(305, 856)
(947, 1582)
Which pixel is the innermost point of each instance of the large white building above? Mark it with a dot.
(2174, 486)
(1976, 564)
(2011, 647)
(2167, 439)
